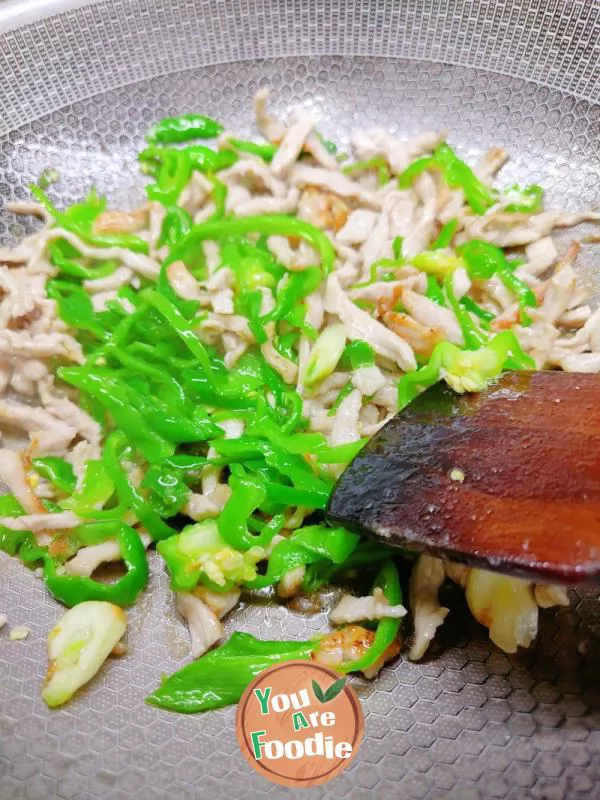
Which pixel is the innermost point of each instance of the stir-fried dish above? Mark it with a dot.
(194, 375)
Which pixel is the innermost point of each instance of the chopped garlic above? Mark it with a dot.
(78, 645)
(18, 634)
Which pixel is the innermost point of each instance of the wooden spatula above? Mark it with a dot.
(508, 479)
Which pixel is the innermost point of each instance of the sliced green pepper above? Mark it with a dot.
(114, 397)
(72, 589)
(306, 546)
(272, 224)
(377, 163)
(57, 471)
(95, 490)
(263, 150)
(387, 628)
(485, 260)
(176, 226)
(183, 128)
(457, 174)
(219, 678)
(473, 336)
(445, 236)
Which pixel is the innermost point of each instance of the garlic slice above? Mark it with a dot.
(78, 645)
(506, 606)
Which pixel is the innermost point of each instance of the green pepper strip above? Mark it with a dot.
(176, 423)
(346, 389)
(357, 353)
(176, 161)
(473, 337)
(485, 260)
(525, 296)
(174, 173)
(79, 219)
(221, 675)
(168, 486)
(72, 589)
(295, 288)
(67, 266)
(113, 395)
(176, 225)
(531, 199)
(407, 177)
(97, 531)
(504, 346)
(286, 345)
(95, 490)
(181, 327)
(378, 163)
(269, 224)
(147, 369)
(485, 316)
(219, 196)
(392, 264)
(249, 305)
(342, 453)
(445, 236)
(57, 471)
(75, 307)
(129, 496)
(411, 384)
(290, 496)
(434, 291)
(387, 628)
(247, 495)
(457, 174)
(367, 552)
(306, 546)
(265, 150)
(183, 128)
(11, 541)
(292, 466)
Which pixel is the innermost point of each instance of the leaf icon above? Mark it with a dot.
(335, 688)
(330, 693)
(318, 692)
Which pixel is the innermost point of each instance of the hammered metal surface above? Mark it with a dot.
(469, 722)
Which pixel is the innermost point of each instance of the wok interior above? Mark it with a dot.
(468, 707)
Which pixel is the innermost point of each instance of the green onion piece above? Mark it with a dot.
(324, 356)
(437, 262)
